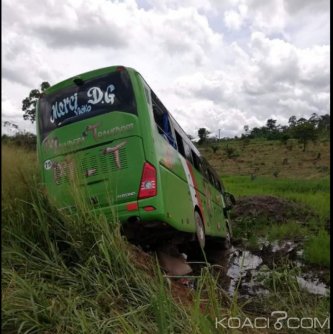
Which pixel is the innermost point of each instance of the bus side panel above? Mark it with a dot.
(211, 206)
(177, 201)
(146, 119)
(173, 188)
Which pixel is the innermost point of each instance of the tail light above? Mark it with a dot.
(148, 186)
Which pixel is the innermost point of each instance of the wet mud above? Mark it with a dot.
(270, 207)
(246, 272)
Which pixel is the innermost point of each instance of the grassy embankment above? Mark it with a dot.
(262, 167)
(77, 274)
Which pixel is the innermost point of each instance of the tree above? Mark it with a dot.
(301, 120)
(324, 123)
(190, 137)
(314, 119)
(29, 103)
(203, 135)
(292, 121)
(305, 132)
(271, 124)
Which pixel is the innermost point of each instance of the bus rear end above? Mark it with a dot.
(90, 144)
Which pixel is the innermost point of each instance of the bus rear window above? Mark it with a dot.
(104, 94)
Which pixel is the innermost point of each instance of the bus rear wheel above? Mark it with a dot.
(200, 230)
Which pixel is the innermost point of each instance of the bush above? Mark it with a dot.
(22, 139)
(231, 152)
(214, 148)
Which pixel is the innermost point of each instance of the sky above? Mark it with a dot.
(214, 64)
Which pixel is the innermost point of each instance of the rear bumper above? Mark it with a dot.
(145, 210)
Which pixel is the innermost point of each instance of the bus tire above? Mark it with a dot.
(200, 230)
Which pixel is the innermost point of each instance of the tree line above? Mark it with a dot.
(302, 129)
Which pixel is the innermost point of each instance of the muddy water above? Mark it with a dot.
(245, 271)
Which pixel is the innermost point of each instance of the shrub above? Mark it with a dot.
(21, 139)
(317, 249)
(231, 152)
(214, 148)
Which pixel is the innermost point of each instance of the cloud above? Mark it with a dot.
(233, 20)
(214, 64)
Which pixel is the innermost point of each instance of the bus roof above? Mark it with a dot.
(85, 75)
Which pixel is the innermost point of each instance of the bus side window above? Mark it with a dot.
(162, 120)
(180, 144)
(188, 154)
(205, 171)
(158, 116)
(196, 161)
(147, 95)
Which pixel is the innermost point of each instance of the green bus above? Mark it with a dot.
(106, 134)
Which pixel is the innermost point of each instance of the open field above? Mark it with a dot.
(77, 274)
(260, 157)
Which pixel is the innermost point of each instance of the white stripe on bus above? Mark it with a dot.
(189, 182)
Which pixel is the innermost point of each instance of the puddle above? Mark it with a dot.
(245, 271)
(243, 266)
(242, 270)
(284, 246)
(313, 286)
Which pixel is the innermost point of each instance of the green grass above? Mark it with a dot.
(77, 274)
(317, 249)
(290, 230)
(313, 193)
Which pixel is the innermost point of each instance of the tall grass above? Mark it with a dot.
(317, 248)
(77, 274)
(69, 274)
(313, 193)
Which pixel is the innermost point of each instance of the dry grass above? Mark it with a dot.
(270, 158)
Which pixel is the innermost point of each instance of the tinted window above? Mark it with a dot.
(162, 119)
(111, 92)
(196, 161)
(180, 144)
(187, 150)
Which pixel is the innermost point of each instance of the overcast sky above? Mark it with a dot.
(214, 64)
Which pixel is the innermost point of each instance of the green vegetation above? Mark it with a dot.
(313, 193)
(77, 274)
(308, 194)
(203, 135)
(292, 230)
(25, 140)
(30, 102)
(317, 249)
(292, 300)
(261, 157)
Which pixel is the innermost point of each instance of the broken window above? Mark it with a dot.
(196, 162)
(161, 117)
(180, 144)
(187, 150)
